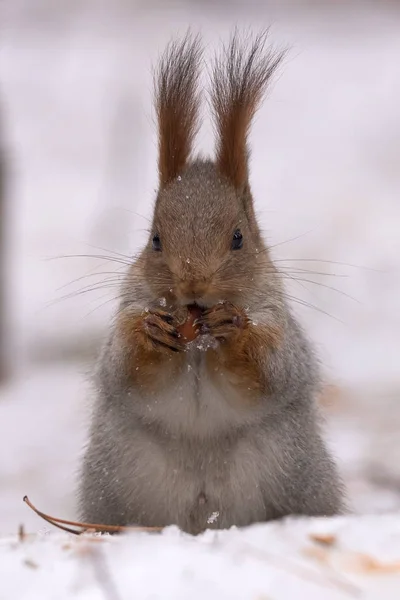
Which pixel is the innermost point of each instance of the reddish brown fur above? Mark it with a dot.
(242, 343)
(240, 361)
(144, 362)
(177, 106)
(240, 79)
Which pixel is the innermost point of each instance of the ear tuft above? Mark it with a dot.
(240, 78)
(177, 105)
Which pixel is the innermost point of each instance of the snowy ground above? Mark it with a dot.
(295, 560)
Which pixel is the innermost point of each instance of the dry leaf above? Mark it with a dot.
(325, 539)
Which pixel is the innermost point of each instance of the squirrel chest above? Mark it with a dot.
(197, 399)
(204, 465)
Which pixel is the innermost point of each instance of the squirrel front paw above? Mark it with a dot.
(223, 321)
(161, 330)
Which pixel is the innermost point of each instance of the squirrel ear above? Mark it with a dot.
(177, 105)
(240, 79)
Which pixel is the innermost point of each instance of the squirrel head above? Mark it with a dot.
(205, 245)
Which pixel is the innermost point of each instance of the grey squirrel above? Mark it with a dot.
(205, 412)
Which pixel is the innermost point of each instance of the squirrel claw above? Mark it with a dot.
(222, 321)
(161, 331)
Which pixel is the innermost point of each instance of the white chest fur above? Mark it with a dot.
(195, 403)
(195, 483)
(205, 462)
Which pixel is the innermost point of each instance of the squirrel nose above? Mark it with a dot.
(192, 289)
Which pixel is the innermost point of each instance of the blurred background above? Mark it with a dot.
(77, 184)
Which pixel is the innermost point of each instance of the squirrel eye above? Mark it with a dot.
(156, 243)
(237, 241)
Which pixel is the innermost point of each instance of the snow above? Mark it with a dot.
(310, 559)
(43, 419)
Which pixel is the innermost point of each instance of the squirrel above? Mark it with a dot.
(205, 412)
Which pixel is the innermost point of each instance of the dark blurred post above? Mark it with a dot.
(3, 368)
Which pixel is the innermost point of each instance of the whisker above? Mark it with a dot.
(98, 274)
(328, 287)
(291, 269)
(252, 288)
(78, 293)
(113, 299)
(101, 256)
(295, 280)
(133, 213)
(312, 306)
(330, 262)
(292, 239)
(107, 250)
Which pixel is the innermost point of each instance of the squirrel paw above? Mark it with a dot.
(223, 321)
(160, 328)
